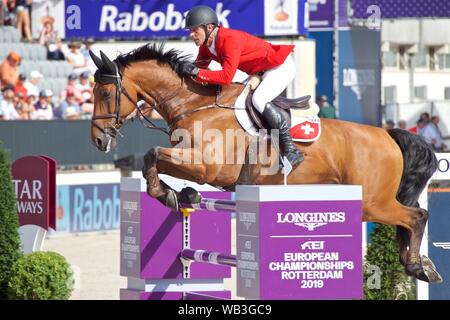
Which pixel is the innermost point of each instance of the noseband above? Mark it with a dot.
(116, 79)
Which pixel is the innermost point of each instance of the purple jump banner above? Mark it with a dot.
(292, 242)
(151, 241)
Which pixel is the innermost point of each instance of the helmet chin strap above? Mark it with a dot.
(207, 34)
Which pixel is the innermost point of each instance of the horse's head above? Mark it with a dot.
(114, 99)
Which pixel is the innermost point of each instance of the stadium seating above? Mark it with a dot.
(34, 57)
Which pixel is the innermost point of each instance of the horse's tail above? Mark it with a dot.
(419, 164)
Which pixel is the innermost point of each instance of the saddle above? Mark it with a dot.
(300, 106)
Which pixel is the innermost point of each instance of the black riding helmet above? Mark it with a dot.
(201, 16)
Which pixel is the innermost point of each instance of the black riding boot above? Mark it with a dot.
(276, 120)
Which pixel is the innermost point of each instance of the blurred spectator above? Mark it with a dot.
(76, 58)
(85, 51)
(2, 14)
(49, 38)
(23, 108)
(389, 125)
(435, 121)
(8, 70)
(31, 100)
(84, 87)
(326, 109)
(71, 86)
(7, 104)
(420, 124)
(9, 13)
(440, 141)
(71, 113)
(69, 102)
(49, 96)
(425, 116)
(432, 137)
(402, 124)
(23, 19)
(43, 110)
(32, 85)
(20, 86)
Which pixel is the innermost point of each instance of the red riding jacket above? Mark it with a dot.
(239, 50)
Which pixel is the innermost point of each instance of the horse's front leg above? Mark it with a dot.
(156, 188)
(172, 162)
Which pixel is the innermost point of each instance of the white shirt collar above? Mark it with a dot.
(212, 47)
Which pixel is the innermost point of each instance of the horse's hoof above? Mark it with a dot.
(190, 195)
(425, 271)
(169, 200)
(430, 270)
(416, 270)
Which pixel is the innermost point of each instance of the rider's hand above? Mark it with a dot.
(189, 69)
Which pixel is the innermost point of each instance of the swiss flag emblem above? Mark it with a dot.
(305, 131)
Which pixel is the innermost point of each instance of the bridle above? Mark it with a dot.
(116, 79)
(114, 129)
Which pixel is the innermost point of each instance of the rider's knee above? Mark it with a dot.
(259, 102)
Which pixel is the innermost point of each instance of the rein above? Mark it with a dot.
(113, 130)
(215, 105)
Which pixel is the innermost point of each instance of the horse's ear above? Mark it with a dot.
(98, 62)
(108, 63)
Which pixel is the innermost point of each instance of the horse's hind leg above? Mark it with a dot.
(420, 267)
(412, 221)
(403, 244)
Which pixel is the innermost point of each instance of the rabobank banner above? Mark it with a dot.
(86, 208)
(152, 19)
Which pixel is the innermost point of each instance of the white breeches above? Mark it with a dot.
(273, 82)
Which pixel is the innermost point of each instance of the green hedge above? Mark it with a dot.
(41, 276)
(9, 224)
(384, 275)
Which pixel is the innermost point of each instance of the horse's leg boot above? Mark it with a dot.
(190, 195)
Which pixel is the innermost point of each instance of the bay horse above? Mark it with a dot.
(392, 166)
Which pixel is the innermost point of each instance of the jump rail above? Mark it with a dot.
(209, 257)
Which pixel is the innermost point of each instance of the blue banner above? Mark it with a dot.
(360, 76)
(402, 8)
(439, 238)
(324, 63)
(147, 19)
(84, 208)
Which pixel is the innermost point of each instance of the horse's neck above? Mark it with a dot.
(176, 96)
(193, 95)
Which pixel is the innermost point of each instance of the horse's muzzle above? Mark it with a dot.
(104, 143)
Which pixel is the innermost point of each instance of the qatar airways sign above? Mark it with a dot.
(34, 180)
(166, 19)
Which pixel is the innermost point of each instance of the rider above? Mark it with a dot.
(234, 50)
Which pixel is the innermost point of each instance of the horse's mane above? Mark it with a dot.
(154, 51)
